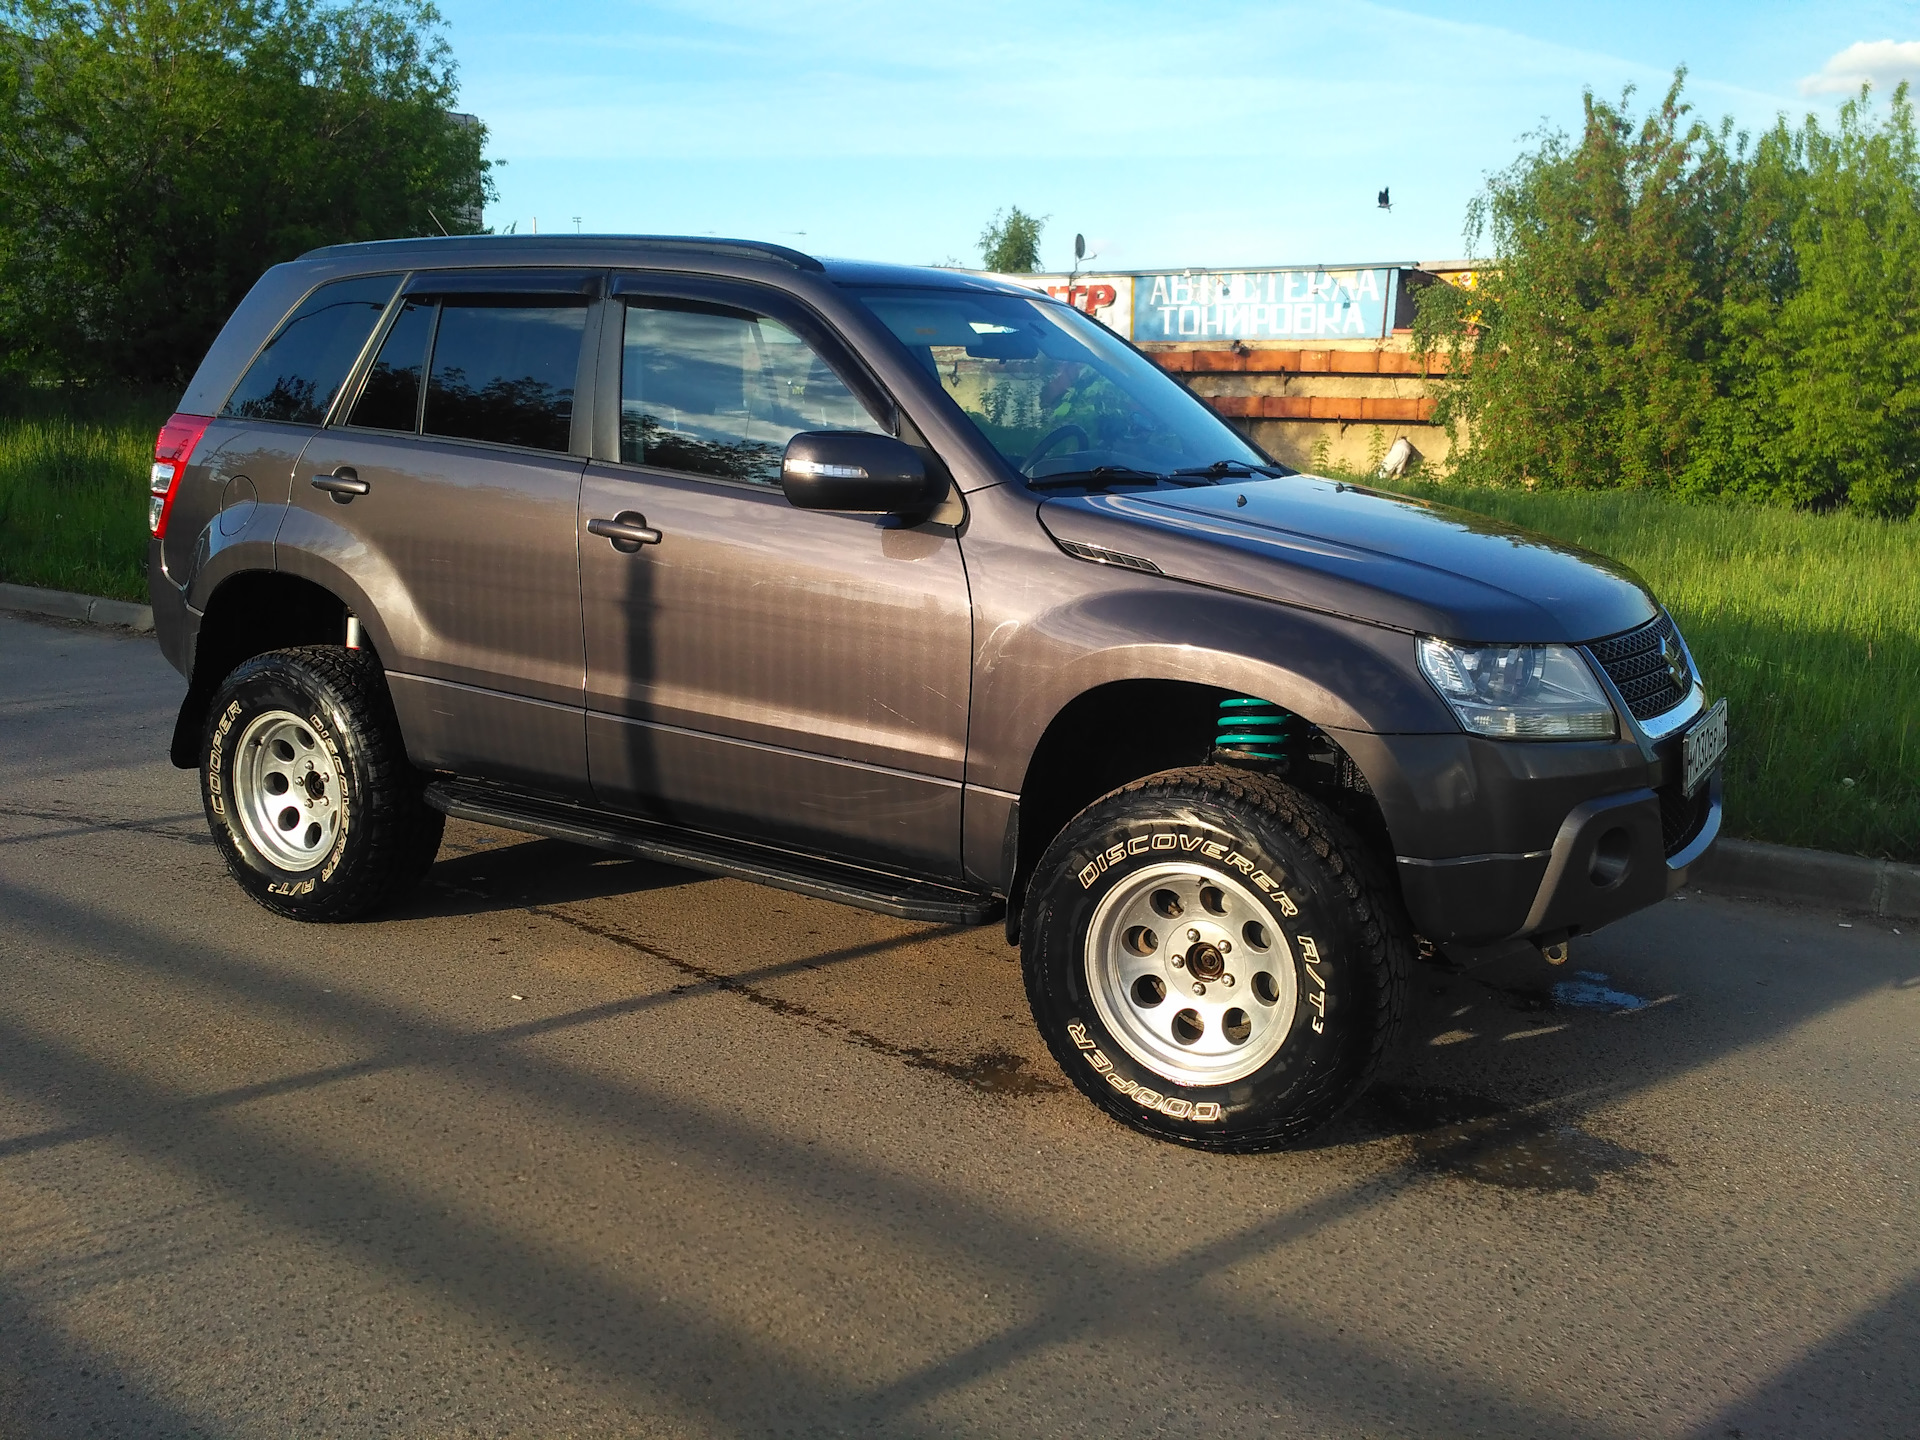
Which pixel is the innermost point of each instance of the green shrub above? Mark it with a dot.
(1670, 306)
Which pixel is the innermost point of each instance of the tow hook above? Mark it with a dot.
(1552, 947)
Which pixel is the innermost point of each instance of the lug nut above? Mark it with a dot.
(1226, 979)
(1179, 961)
(1226, 947)
(1193, 934)
(1198, 988)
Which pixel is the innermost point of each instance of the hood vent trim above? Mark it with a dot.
(1100, 555)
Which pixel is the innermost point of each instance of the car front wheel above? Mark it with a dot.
(1215, 958)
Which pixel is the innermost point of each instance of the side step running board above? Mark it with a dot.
(742, 860)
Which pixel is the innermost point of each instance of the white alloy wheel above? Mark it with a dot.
(1190, 975)
(287, 791)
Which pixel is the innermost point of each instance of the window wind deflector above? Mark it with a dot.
(556, 286)
(648, 300)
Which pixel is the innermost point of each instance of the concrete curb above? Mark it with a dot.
(65, 605)
(1819, 877)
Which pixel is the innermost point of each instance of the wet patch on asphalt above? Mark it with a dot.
(166, 827)
(990, 1072)
(1474, 1137)
(994, 1072)
(1588, 990)
(1527, 1152)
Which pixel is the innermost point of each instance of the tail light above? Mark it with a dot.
(171, 452)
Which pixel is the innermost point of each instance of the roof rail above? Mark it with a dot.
(749, 249)
(798, 259)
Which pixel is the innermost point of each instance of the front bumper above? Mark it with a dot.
(1497, 841)
(1608, 860)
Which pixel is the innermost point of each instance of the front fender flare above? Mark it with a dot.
(1334, 672)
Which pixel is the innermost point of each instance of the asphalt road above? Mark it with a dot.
(573, 1144)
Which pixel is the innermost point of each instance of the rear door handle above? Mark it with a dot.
(343, 484)
(628, 531)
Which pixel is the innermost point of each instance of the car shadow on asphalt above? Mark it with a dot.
(1507, 1059)
(529, 872)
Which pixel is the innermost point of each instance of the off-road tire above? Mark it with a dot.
(1348, 943)
(385, 836)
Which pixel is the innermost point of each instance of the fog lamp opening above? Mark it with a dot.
(1612, 858)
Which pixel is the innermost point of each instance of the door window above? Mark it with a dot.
(503, 370)
(717, 391)
(305, 364)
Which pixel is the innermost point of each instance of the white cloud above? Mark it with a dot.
(1880, 63)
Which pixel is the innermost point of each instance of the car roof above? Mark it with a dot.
(651, 251)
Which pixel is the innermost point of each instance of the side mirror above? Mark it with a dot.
(854, 471)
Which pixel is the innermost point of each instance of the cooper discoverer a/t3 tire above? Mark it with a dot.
(1214, 958)
(307, 787)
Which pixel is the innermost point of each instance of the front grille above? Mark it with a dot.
(1638, 668)
(1681, 817)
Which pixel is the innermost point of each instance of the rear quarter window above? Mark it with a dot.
(303, 367)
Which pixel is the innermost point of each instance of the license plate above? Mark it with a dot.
(1702, 746)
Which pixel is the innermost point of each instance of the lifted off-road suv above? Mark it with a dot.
(911, 590)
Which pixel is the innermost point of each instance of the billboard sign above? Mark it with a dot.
(1262, 305)
(1108, 298)
(1202, 305)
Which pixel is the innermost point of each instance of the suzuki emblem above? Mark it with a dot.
(1676, 659)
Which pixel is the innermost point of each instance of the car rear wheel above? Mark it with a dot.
(307, 787)
(1215, 958)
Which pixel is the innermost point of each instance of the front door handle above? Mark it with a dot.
(343, 484)
(628, 531)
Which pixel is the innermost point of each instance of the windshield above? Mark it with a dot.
(1058, 395)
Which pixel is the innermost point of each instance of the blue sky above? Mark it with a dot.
(1229, 132)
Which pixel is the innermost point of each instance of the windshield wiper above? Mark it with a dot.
(1220, 469)
(1098, 476)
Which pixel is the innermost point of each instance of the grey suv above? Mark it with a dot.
(912, 590)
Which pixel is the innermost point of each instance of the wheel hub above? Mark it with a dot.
(1190, 975)
(1205, 962)
(286, 790)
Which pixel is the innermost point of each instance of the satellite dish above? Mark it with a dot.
(1080, 247)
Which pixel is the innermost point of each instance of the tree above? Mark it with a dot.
(157, 155)
(1669, 305)
(1592, 329)
(1010, 245)
(1820, 372)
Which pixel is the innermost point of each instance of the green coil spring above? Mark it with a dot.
(1252, 732)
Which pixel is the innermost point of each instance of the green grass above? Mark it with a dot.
(1808, 624)
(73, 489)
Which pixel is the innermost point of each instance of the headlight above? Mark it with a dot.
(1519, 692)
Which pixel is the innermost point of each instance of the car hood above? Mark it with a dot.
(1327, 545)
